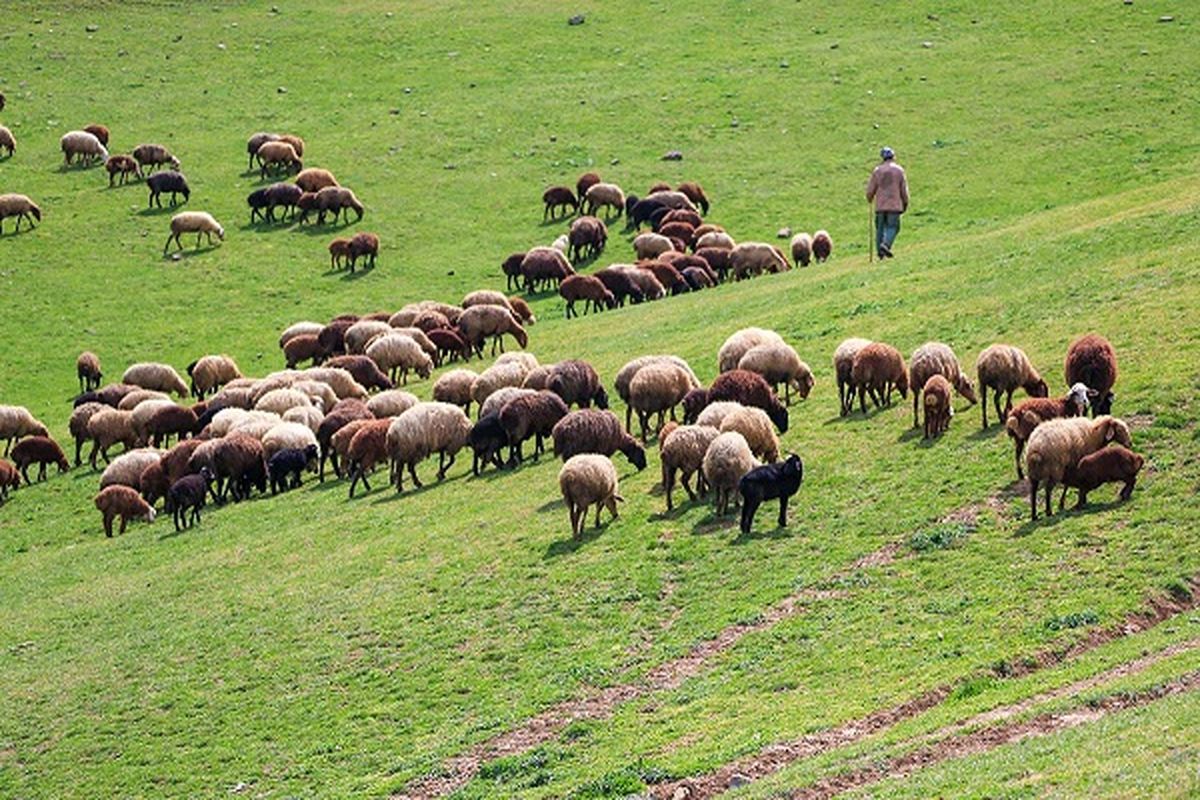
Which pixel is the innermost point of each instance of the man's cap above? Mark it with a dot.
(887, 154)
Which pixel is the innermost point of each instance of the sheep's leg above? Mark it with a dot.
(1126, 491)
(783, 503)
(983, 402)
(1033, 498)
(1049, 491)
(108, 521)
(412, 473)
(916, 393)
(599, 507)
(862, 398)
(1062, 499)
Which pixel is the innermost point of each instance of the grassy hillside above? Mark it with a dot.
(311, 646)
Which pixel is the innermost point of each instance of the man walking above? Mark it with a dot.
(888, 189)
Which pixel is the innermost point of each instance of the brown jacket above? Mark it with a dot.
(888, 187)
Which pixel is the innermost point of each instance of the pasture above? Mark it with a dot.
(456, 638)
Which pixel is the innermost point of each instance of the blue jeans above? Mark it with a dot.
(887, 225)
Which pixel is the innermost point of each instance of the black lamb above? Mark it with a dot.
(767, 482)
(188, 494)
(487, 439)
(286, 465)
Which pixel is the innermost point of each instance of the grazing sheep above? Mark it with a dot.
(587, 288)
(647, 284)
(82, 146)
(1092, 361)
(154, 156)
(308, 416)
(595, 431)
(655, 389)
(695, 193)
(498, 399)
(156, 377)
(604, 195)
(126, 469)
(176, 462)
(741, 342)
(299, 329)
(341, 381)
(339, 250)
(511, 267)
(187, 496)
(449, 346)
(843, 363)
(621, 285)
(671, 199)
(288, 435)
(694, 403)
(1003, 368)
(363, 245)
(1113, 464)
(210, 373)
(727, 459)
(332, 337)
(8, 142)
(1027, 415)
(167, 421)
(935, 358)
(698, 278)
(556, 197)
(346, 412)
(138, 396)
(766, 483)
(16, 422)
(285, 467)
(822, 246)
(667, 276)
(99, 131)
(407, 315)
(256, 141)
(238, 463)
(779, 363)
(108, 427)
(756, 427)
(121, 501)
(122, 165)
(649, 245)
(304, 347)
(543, 265)
(9, 479)
(19, 206)
(521, 310)
(577, 383)
(486, 297)
(486, 439)
(802, 249)
(586, 238)
(396, 352)
(1058, 445)
(153, 483)
(295, 141)
(337, 199)
(586, 181)
(938, 410)
(363, 369)
(140, 416)
(751, 259)
(170, 181)
(749, 389)
(878, 369)
(586, 480)
(313, 180)
(638, 211)
(285, 195)
(530, 414)
(421, 431)
(682, 231)
(455, 387)
(715, 239)
(277, 401)
(360, 334)
(717, 259)
(432, 321)
(279, 156)
(391, 403)
(87, 368)
(77, 425)
(477, 323)
(682, 450)
(626, 374)
(200, 223)
(40, 450)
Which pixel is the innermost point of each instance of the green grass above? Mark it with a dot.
(313, 646)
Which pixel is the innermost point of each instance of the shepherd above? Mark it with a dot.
(888, 190)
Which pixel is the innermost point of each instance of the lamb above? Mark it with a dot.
(391, 403)
(595, 431)
(586, 238)
(421, 431)
(363, 245)
(285, 467)
(304, 347)
(727, 459)
(314, 180)
(521, 310)
(287, 435)
(77, 425)
(154, 156)
(9, 479)
(1003, 368)
(604, 195)
(87, 369)
(167, 421)
(585, 480)
(577, 383)
(40, 450)
(938, 410)
(586, 181)
(200, 223)
(655, 389)
(339, 251)
(210, 373)
(123, 502)
(543, 265)
(779, 363)
(556, 197)
(822, 246)
(529, 415)
(1092, 361)
(256, 141)
(620, 285)
(239, 462)
(589, 289)
(650, 245)
(1113, 464)
(299, 329)
(498, 399)
(741, 342)
(82, 146)
(627, 373)
(933, 358)
(108, 427)
(694, 192)
(337, 199)
(750, 259)
(1058, 445)
(396, 352)
(363, 369)
(449, 346)
(8, 142)
(16, 422)
(19, 206)
(188, 495)
(766, 483)
(486, 439)
(342, 415)
(682, 449)
(169, 181)
(127, 468)
(715, 239)
(843, 363)
(511, 267)
(277, 155)
(360, 334)
(1023, 419)
(802, 249)
(479, 322)
(749, 389)
(878, 369)
(455, 387)
(755, 426)
(122, 165)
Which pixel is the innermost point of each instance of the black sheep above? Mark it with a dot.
(639, 211)
(289, 463)
(487, 439)
(767, 482)
(170, 181)
(258, 202)
(188, 494)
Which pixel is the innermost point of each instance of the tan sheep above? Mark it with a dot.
(108, 427)
(360, 334)
(496, 377)
(299, 329)
(715, 413)
(843, 363)
(396, 352)
(727, 459)
(314, 179)
(154, 156)
(138, 396)
(741, 342)
(200, 223)
(421, 431)
(121, 501)
(936, 358)
(308, 416)
(656, 389)
(1003, 369)
(391, 403)
(277, 155)
(157, 376)
(16, 422)
(757, 429)
(801, 246)
(1057, 445)
(7, 140)
(455, 387)
(479, 323)
(487, 297)
(210, 373)
(878, 370)
(585, 480)
(604, 195)
(83, 147)
(682, 450)
(938, 409)
(651, 245)
(717, 239)
(19, 206)
(779, 363)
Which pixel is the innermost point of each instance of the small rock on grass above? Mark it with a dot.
(576, 20)
(673, 155)
(783, 233)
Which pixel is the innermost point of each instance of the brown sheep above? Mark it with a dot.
(511, 267)
(1114, 464)
(121, 501)
(99, 131)
(302, 348)
(314, 180)
(40, 450)
(337, 199)
(7, 141)
(154, 156)
(936, 358)
(586, 181)
(363, 245)
(19, 206)
(87, 368)
(543, 265)
(1027, 415)
(339, 249)
(684, 215)
(1091, 360)
(822, 246)
(938, 410)
(749, 389)
(556, 197)
(9, 479)
(121, 165)
(586, 238)
(521, 310)
(878, 369)
(695, 192)
(587, 288)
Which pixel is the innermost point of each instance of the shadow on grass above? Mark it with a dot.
(773, 533)
(263, 226)
(312, 228)
(711, 523)
(910, 434)
(154, 211)
(17, 231)
(567, 546)
(188, 252)
(78, 166)
(990, 432)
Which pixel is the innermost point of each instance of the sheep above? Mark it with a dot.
(138, 396)
(585, 480)
(233, 397)
(421, 431)
(126, 469)
(428, 321)
(620, 285)
(802, 248)
(1026, 416)
(521, 310)
(683, 262)
(341, 381)
(1109, 465)
(82, 146)
(332, 337)
(586, 238)
(779, 363)
(167, 421)
(154, 156)
(285, 467)
(407, 315)
(715, 239)
(299, 329)
(717, 259)
(741, 342)
(153, 483)
(455, 387)
(391, 403)
(9, 479)
(8, 142)
(533, 414)
(169, 181)
(239, 463)
(122, 165)
(698, 278)
(277, 401)
(496, 401)
(16, 422)
(577, 383)
(843, 363)
(586, 181)
(200, 223)
(667, 276)
(308, 416)
(936, 401)
(511, 267)
(140, 416)
(363, 369)
(396, 352)
(313, 180)
(638, 211)
(1003, 368)
(766, 483)
(278, 155)
(295, 141)
(108, 427)
(934, 358)
(288, 435)
(682, 449)
(40, 450)
(543, 265)
(1092, 361)
(337, 199)
(695, 193)
(224, 421)
(19, 206)
(87, 369)
(477, 323)
(449, 346)
(755, 426)
(646, 282)
(176, 462)
(682, 231)
(556, 197)
(155, 376)
(627, 373)
(486, 439)
(362, 444)
(110, 395)
(123, 502)
(363, 245)
(750, 259)
(726, 460)
(304, 347)
(346, 412)
(878, 369)
(822, 246)
(650, 245)
(1058, 444)
(186, 495)
(604, 195)
(672, 200)
(286, 195)
(210, 373)
(655, 389)
(749, 389)
(256, 141)
(77, 425)
(693, 404)
(360, 334)
(339, 250)
(587, 288)
(595, 431)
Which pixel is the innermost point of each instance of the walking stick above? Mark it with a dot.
(871, 235)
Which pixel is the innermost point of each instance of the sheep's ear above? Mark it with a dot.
(618, 498)
(1110, 431)
(1092, 393)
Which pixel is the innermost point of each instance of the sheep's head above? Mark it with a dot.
(1102, 404)
(221, 233)
(175, 163)
(966, 388)
(637, 454)
(779, 416)
(520, 335)
(38, 429)
(902, 385)
(804, 384)
(793, 467)
(150, 514)
(1115, 430)
(1078, 397)
(1037, 388)
(601, 398)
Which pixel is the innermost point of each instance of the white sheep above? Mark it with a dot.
(487, 297)
(421, 431)
(288, 436)
(1004, 368)
(211, 372)
(396, 352)
(200, 223)
(235, 397)
(126, 469)
(655, 389)
(138, 396)
(108, 427)
(727, 459)
(255, 427)
(801, 246)
(756, 427)
(715, 413)
(341, 381)
(156, 376)
(740, 342)
(626, 375)
(718, 239)
(604, 195)
(495, 377)
(318, 392)
(19, 206)
(672, 199)
(308, 416)
(779, 363)
(455, 387)
(277, 401)
(682, 451)
(392, 403)
(83, 145)
(1058, 444)
(17, 422)
(360, 334)
(496, 401)
(651, 245)
(750, 259)
(224, 421)
(585, 480)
